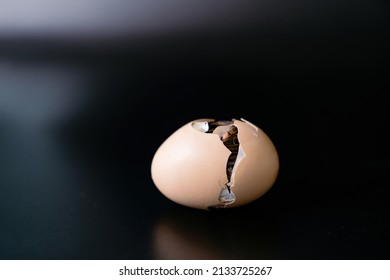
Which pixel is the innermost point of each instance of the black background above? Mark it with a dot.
(78, 185)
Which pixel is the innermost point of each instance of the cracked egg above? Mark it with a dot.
(215, 164)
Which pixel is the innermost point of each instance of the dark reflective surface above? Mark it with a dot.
(80, 121)
(245, 233)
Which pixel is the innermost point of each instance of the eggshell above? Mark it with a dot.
(189, 167)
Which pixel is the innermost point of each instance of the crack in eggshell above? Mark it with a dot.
(260, 175)
(240, 156)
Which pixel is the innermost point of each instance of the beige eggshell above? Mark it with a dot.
(189, 168)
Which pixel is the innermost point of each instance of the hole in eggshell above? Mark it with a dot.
(228, 134)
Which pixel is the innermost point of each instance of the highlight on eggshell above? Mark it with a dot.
(208, 163)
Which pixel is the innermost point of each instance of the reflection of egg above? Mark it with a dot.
(215, 164)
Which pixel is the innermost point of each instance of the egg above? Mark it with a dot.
(208, 164)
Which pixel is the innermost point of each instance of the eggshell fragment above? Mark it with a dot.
(191, 166)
